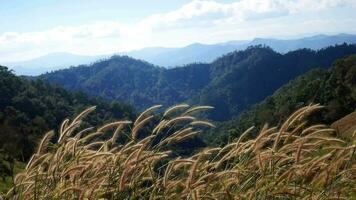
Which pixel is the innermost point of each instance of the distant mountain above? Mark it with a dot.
(232, 83)
(194, 53)
(334, 88)
(313, 42)
(171, 57)
(50, 62)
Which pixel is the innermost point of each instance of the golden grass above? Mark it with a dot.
(295, 161)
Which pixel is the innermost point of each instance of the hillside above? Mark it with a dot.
(232, 83)
(334, 88)
(28, 109)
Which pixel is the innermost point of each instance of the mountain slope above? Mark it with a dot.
(232, 83)
(241, 79)
(334, 88)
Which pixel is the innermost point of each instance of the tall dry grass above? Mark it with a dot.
(295, 161)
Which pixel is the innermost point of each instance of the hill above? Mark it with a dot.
(334, 88)
(135, 81)
(232, 83)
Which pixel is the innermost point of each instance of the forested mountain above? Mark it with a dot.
(134, 81)
(334, 88)
(243, 78)
(28, 109)
(231, 83)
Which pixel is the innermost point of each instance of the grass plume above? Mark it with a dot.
(295, 161)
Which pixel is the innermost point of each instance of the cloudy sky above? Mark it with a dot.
(92, 27)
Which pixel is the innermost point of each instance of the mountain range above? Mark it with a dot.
(172, 57)
(231, 83)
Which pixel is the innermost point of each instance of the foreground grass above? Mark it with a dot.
(295, 161)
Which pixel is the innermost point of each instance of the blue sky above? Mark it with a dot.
(91, 27)
(15, 14)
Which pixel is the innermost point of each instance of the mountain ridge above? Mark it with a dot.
(170, 57)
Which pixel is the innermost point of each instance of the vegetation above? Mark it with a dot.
(232, 83)
(334, 88)
(29, 108)
(160, 155)
(293, 161)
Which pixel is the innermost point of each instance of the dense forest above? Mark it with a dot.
(334, 88)
(231, 83)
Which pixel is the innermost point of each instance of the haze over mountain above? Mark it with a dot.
(50, 62)
(231, 83)
(171, 57)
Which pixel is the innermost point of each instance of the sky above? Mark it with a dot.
(32, 28)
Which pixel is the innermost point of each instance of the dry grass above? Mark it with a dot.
(292, 162)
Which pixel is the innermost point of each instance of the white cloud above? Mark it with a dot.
(209, 12)
(198, 21)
